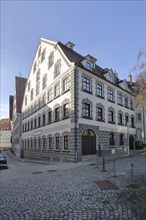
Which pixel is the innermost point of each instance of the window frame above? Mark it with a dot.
(86, 110)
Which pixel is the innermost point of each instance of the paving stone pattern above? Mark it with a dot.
(68, 191)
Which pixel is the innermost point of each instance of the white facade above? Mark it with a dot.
(66, 98)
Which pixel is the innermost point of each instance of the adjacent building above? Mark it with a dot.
(15, 114)
(72, 107)
(141, 125)
(5, 133)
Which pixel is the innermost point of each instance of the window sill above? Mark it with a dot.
(111, 122)
(65, 91)
(56, 96)
(100, 120)
(65, 117)
(102, 97)
(89, 92)
(56, 120)
(49, 122)
(111, 101)
(120, 104)
(87, 117)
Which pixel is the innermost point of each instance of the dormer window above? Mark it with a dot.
(88, 65)
(110, 78)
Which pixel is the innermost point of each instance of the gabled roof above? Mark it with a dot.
(19, 89)
(5, 124)
(75, 57)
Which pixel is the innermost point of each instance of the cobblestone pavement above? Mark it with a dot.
(68, 191)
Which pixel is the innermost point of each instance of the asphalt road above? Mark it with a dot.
(66, 191)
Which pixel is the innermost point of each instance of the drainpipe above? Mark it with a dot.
(75, 114)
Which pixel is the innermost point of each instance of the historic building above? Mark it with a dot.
(72, 107)
(15, 114)
(5, 133)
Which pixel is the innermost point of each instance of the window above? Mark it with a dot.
(31, 143)
(65, 110)
(31, 125)
(120, 100)
(111, 117)
(34, 67)
(86, 110)
(132, 122)
(66, 142)
(44, 142)
(65, 84)
(50, 142)
(110, 78)
(39, 142)
(44, 119)
(57, 90)
(57, 142)
(38, 75)
(39, 103)
(35, 123)
(111, 139)
(44, 82)
(50, 60)
(28, 86)
(126, 102)
(57, 68)
(39, 121)
(120, 117)
(86, 84)
(35, 143)
(43, 55)
(110, 95)
(49, 95)
(56, 114)
(88, 65)
(26, 100)
(99, 90)
(99, 114)
(31, 95)
(39, 52)
(44, 99)
(37, 88)
(131, 104)
(28, 126)
(139, 117)
(49, 116)
(121, 139)
(126, 120)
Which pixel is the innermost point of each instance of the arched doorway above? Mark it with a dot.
(88, 142)
(131, 142)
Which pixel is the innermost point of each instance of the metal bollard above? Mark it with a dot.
(103, 163)
(131, 173)
(114, 167)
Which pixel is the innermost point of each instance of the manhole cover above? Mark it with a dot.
(51, 170)
(37, 172)
(106, 185)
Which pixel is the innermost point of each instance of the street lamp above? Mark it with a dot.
(128, 138)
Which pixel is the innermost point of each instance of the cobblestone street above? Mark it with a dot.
(70, 191)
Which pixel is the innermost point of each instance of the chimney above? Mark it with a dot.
(130, 79)
(70, 45)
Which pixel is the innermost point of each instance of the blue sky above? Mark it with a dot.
(111, 31)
